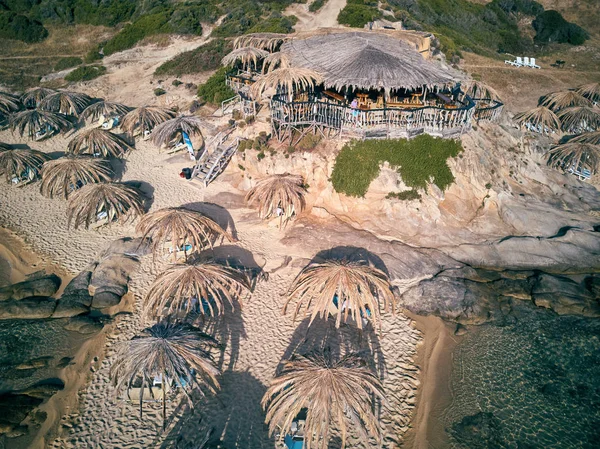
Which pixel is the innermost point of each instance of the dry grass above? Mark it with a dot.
(69, 103)
(361, 291)
(16, 162)
(144, 119)
(177, 352)
(33, 120)
(290, 79)
(173, 129)
(61, 176)
(179, 226)
(283, 191)
(575, 154)
(214, 284)
(120, 202)
(334, 394)
(98, 141)
(541, 118)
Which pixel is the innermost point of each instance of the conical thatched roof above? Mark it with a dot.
(591, 91)
(104, 108)
(32, 98)
(245, 55)
(564, 99)
(98, 141)
(211, 285)
(575, 154)
(264, 41)
(120, 202)
(274, 61)
(18, 162)
(9, 103)
(540, 117)
(477, 89)
(577, 118)
(363, 60)
(288, 78)
(144, 119)
(285, 191)
(341, 395)
(359, 289)
(593, 138)
(70, 103)
(180, 226)
(33, 120)
(61, 176)
(172, 129)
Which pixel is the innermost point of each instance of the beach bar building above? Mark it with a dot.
(372, 84)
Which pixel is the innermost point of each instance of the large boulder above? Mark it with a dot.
(76, 298)
(45, 285)
(35, 307)
(565, 296)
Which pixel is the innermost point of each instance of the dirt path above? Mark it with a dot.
(326, 17)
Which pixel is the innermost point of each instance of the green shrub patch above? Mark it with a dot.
(85, 73)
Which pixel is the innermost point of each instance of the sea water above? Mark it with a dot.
(532, 384)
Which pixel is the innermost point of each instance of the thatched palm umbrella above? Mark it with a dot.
(62, 176)
(540, 119)
(143, 120)
(179, 227)
(591, 138)
(32, 121)
(105, 109)
(564, 99)
(575, 154)
(177, 353)
(288, 79)
(343, 290)
(248, 56)
(9, 103)
(477, 89)
(210, 284)
(70, 103)
(591, 91)
(120, 202)
(580, 118)
(98, 141)
(277, 60)
(173, 129)
(340, 394)
(16, 163)
(32, 98)
(284, 192)
(265, 41)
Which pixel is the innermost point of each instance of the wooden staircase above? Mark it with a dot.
(211, 165)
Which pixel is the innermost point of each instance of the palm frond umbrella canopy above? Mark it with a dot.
(98, 141)
(264, 41)
(541, 120)
(342, 289)
(367, 61)
(70, 103)
(173, 129)
(176, 353)
(247, 56)
(575, 155)
(578, 119)
(278, 195)
(32, 98)
(288, 79)
(104, 109)
(112, 201)
(62, 176)
(143, 120)
(564, 99)
(592, 138)
(591, 91)
(274, 61)
(206, 288)
(334, 394)
(9, 103)
(22, 165)
(180, 227)
(477, 89)
(33, 121)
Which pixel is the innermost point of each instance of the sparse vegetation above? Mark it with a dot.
(202, 59)
(159, 91)
(357, 13)
(86, 73)
(67, 63)
(406, 195)
(316, 5)
(419, 161)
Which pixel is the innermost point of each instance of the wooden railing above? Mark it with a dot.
(487, 109)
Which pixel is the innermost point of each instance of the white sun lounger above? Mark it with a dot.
(533, 65)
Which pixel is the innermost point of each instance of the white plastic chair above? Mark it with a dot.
(526, 61)
(532, 64)
(519, 61)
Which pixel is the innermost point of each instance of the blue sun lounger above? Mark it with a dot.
(294, 442)
(188, 144)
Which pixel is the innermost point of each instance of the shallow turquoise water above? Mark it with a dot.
(536, 382)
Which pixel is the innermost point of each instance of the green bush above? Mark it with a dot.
(316, 5)
(21, 28)
(202, 59)
(418, 161)
(215, 90)
(132, 33)
(406, 195)
(357, 14)
(159, 91)
(67, 63)
(284, 25)
(85, 73)
(550, 26)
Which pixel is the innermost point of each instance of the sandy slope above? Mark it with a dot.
(326, 17)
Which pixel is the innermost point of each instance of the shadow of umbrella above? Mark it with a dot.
(218, 213)
(352, 254)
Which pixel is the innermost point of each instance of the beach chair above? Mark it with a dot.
(533, 65)
(583, 174)
(518, 62)
(45, 133)
(146, 135)
(525, 61)
(24, 178)
(188, 145)
(180, 251)
(110, 123)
